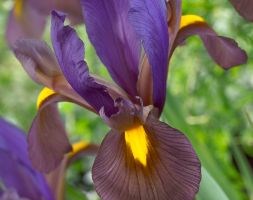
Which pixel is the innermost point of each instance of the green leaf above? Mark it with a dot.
(173, 114)
(74, 193)
(244, 167)
(209, 188)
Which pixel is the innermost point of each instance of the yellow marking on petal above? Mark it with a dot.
(18, 8)
(190, 19)
(78, 147)
(44, 94)
(136, 139)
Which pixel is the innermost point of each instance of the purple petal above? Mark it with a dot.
(41, 65)
(145, 82)
(56, 178)
(17, 172)
(13, 140)
(29, 25)
(114, 40)
(224, 51)
(72, 8)
(149, 18)
(38, 60)
(172, 169)
(69, 51)
(174, 8)
(23, 179)
(47, 139)
(244, 8)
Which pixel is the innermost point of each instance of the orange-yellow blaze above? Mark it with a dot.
(78, 147)
(44, 94)
(136, 139)
(18, 8)
(190, 19)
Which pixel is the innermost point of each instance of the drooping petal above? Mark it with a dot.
(223, 50)
(47, 139)
(114, 40)
(69, 50)
(149, 18)
(25, 22)
(16, 171)
(38, 61)
(244, 8)
(153, 161)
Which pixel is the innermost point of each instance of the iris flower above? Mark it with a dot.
(140, 157)
(27, 19)
(18, 179)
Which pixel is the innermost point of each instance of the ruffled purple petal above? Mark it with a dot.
(149, 18)
(69, 50)
(114, 40)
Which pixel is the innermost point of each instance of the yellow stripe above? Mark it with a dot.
(44, 94)
(137, 141)
(18, 8)
(190, 19)
(78, 147)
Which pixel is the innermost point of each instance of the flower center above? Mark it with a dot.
(137, 140)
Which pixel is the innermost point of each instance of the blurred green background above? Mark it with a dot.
(213, 107)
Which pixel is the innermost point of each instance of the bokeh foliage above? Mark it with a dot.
(213, 107)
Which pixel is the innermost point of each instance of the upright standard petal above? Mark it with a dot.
(114, 40)
(16, 171)
(151, 161)
(223, 50)
(244, 8)
(69, 50)
(145, 82)
(149, 18)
